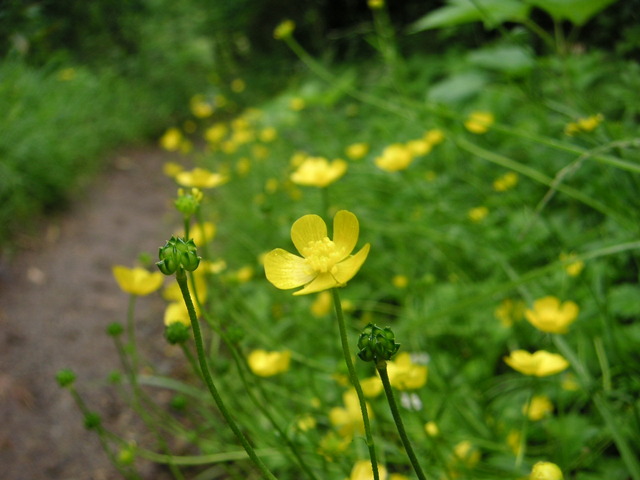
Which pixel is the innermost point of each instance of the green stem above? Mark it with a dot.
(131, 334)
(384, 376)
(356, 383)
(181, 277)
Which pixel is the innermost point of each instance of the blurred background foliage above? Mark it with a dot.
(80, 78)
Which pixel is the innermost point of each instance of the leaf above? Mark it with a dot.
(458, 12)
(577, 12)
(457, 87)
(507, 58)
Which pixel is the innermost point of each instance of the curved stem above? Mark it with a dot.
(181, 277)
(384, 376)
(356, 384)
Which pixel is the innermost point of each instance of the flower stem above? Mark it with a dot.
(356, 383)
(181, 277)
(381, 366)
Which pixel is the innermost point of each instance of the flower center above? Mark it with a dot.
(322, 255)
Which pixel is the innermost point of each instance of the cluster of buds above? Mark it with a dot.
(377, 344)
(188, 203)
(178, 253)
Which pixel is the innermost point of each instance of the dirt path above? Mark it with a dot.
(55, 302)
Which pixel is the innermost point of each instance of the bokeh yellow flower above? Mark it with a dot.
(324, 263)
(539, 364)
(477, 214)
(546, 471)
(394, 157)
(356, 151)
(137, 281)
(171, 169)
(505, 182)
(333, 445)
(572, 266)
(216, 132)
(171, 140)
(176, 312)
(306, 423)
(400, 281)
(268, 364)
(431, 428)
(538, 408)
(318, 172)
(284, 29)
(200, 178)
(362, 470)
(466, 453)
(585, 124)
(514, 439)
(200, 107)
(297, 104)
(509, 311)
(549, 315)
(322, 305)
(479, 122)
(434, 136)
(348, 419)
(406, 375)
(268, 134)
(372, 386)
(202, 233)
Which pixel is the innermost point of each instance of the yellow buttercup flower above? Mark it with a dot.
(284, 29)
(509, 311)
(479, 122)
(432, 429)
(478, 214)
(549, 315)
(216, 132)
(322, 305)
(434, 136)
(395, 157)
(200, 178)
(505, 182)
(202, 233)
(171, 169)
(324, 263)
(585, 124)
(171, 140)
(546, 471)
(539, 407)
(137, 281)
(348, 419)
(176, 312)
(362, 470)
(419, 147)
(400, 281)
(200, 107)
(573, 268)
(539, 364)
(318, 172)
(268, 134)
(406, 375)
(372, 386)
(356, 151)
(306, 423)
(267, 364)
(466, 453)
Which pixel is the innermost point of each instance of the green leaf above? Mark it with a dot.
(458, 12)
(457, 88)
(577, 12)
(507, 58)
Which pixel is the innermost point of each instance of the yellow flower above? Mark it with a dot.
(573, 268)
(585, 124)
(479, 122)
(171, 169)
(400, 281)
(176, 312)
(372, 386)
(324, 263)
(322, 304)
(200, 107)
(509, 311)
(549, 315)
(268, 134)
(318, 172)
(395, 157)
(203, 233)
(296, 104)
(362, 470)
(406, 375)
(478, 214)
(505, 182)
(465, 452)
(375, 4)
(539, 364)
(137, 281)
(356, 151)
(434, 136)
(513, 440)
(284, 29)
(348, 419)
(539, 407)
(432, 429)
(419, 147)
(200, 178)
(216, 132)
(546, 471)
(171, 140)
(306, 423)
(569, 383)
(267, 364)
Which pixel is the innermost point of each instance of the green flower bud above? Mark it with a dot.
(377, 344)
(178, 253)
(115, 329)
(177, 332)
(92, 421)
(115, 377)
(188, 203)
(178, 402)
(65, 378)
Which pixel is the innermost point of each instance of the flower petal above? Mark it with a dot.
(286, 270)
(324, 281)
(345, 231)
(348, 268)
(310, 228)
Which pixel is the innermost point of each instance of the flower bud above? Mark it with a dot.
(178, 253)
(92, 421)
(546, 471)
(176, 332)
(377, 344)
(65, 378)
(187, 203)
(115, 329)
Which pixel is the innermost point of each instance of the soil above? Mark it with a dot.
(56, 298)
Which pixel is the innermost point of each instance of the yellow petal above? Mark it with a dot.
(345, 231)
(348, 268)
(286, 270)
(310, 228)
(324, 281)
